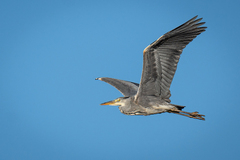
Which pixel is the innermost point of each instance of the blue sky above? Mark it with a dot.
(51, 52)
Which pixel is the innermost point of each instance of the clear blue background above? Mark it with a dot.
(52, 50)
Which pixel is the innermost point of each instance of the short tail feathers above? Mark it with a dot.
(178, 107)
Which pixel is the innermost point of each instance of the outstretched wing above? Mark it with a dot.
(125, 87)
(161, 58)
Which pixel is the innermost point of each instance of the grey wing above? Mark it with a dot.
(161, 58)
(125, 87)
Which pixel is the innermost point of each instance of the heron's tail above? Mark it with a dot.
(178, 106)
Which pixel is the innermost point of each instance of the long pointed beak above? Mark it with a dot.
(108, 103)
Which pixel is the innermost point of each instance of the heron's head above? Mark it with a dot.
(121, 101)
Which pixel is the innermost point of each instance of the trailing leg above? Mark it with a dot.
(194, 115)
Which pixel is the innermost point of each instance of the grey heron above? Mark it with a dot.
(160, 61)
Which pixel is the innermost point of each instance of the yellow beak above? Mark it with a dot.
(108, 103)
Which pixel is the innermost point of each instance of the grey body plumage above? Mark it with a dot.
(160, 61)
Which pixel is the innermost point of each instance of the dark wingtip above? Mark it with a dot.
(99, 78)
(194, 18)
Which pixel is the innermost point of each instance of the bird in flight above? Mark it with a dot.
(160, 61)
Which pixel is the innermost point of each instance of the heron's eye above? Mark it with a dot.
(117, 100)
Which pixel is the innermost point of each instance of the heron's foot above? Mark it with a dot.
(197, 116)
(194, 115)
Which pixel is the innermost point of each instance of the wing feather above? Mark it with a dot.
(160, 59)
(125, 87)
